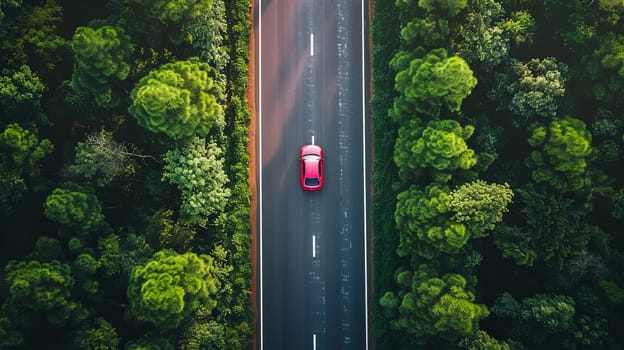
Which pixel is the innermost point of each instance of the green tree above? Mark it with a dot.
(423, 221)
(531, 89)
(430, 31)
(480, 340)
(32, 38)
(197, 170)
(9, 334)
(433, 305)
(561, 154)
(74, 207)
(8, 3)
(167, 289)
(20, 92)
(426, 83)
(48, 249)
(519, 28)
(555, 231)
(536, 319)
(449, 7)
(25, 148)
(163, 232)
(110, 255)
(101, 60)
(479, 38)
(441, 145)
(479, 205)
(605, 68)
(174, 12)
(102, 159)
(101, 336)
(149, 344)
(178, 99)
(208, 33)
(43, 287)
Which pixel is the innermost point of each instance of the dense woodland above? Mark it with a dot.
(498, 177)
(124, 181)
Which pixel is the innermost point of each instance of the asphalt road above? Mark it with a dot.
(312, 261)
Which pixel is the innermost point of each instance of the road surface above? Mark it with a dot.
(311, 87)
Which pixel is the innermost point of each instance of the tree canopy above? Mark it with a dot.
(179, 99)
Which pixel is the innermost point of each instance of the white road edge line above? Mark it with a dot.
(259, 168)
(364, 177)
(311, 44)
(314, 246)
(312, 139)
(314, 341)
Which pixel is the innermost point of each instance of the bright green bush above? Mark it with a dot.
(178, 99)
(73, 207)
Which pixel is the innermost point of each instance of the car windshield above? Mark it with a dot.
(311, 157)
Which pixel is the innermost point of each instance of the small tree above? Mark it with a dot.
(101, 57)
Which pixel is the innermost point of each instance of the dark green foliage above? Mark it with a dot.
(167, 289)
(480, 340)
(614, 293)
(20, 92)
(605, 67)
(531, 89)
(163, 232)
(8, 3)
(101, 57)
(208, 33)
(427, 83)
(102, 336)
(48, 249)
(430, 31)
(42, 287)
(174, 12)
(448, 7)
(539, 319)
(178, 99)
(561, 154)
(20, 163)
(25, 148)
(149, 344)
(101, 159)
(555, 230)
(32, 38)
(74, 207)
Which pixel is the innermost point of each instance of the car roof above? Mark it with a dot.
(311, 168)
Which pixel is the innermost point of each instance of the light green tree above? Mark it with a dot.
(561, 154)
(101, 59)
(479, 205)
(431, 305)
(170, 286)
(426, 83)
(197, 170)
(26, 149)
(519, 28)
(441, 145)
(178, 99)
(423, 221)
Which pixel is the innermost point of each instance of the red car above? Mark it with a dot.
(311, 167)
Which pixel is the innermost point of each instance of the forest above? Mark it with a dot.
(124, 175)
(498, 187)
